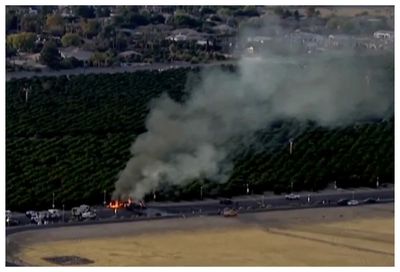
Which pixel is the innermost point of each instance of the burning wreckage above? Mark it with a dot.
(137, 207)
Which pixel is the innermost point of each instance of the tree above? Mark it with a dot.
(296, 15)
(50, 55)
(11, 21)
(85, 11)
(30, 23)
(55, 24)
(136, 19)
(71, 39)
(182, 20)
(10, 51)
(23, 41)
(90, 27)
(247, 11)
(102, 11)
(311, 11)
(157, 19)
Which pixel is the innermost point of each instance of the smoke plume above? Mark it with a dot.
(193, 140)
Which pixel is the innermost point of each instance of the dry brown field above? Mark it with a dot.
(346, 236)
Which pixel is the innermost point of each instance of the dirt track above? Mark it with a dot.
(361, 235)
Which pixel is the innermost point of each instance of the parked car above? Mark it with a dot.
(292, 197)
(342, 202)
(369, 201)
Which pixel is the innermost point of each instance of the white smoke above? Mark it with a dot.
(192, 140)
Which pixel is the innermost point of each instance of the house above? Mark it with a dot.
(204, 42)
(186, 34)
(130, 56)
(224, 29)
(384, 34)
(33, 11)
(75, 52)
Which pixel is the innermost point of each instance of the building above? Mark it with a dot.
(77, 53)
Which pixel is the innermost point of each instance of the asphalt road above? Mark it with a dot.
(158, 210)
(111, 70)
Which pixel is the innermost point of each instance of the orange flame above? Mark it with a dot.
(115, 204)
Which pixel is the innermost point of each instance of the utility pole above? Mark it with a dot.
(201, 192)
(104, 198)
(53, 201)
(154, 195)
(63, 213)
(247, 188)
(290, 146)
(26, 90)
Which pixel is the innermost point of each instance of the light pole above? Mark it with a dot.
(53, 201)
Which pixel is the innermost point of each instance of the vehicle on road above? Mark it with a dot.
(353, 202)
(292, 197)
(343, 202)
(229, 212)
(83, 212)
(370, 201)
(9, 220)
(54, 214)
(226, 201)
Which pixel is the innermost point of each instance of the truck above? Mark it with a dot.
(83, 212)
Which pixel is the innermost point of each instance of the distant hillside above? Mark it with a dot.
(72, 137)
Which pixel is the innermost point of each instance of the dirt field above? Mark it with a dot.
(357, 236)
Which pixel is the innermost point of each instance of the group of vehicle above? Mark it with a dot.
(83, 212)
(44, 217)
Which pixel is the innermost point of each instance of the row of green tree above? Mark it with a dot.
(72, 137)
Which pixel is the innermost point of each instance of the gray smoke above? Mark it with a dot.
(193, 140)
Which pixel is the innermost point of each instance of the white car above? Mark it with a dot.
(292, 197)
(353, 202)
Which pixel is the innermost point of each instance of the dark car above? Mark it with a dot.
(369, 201)
(226, 202)
(343, 202)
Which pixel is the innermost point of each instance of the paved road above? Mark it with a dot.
(212, 207)
(111, 70)
(256, 202)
